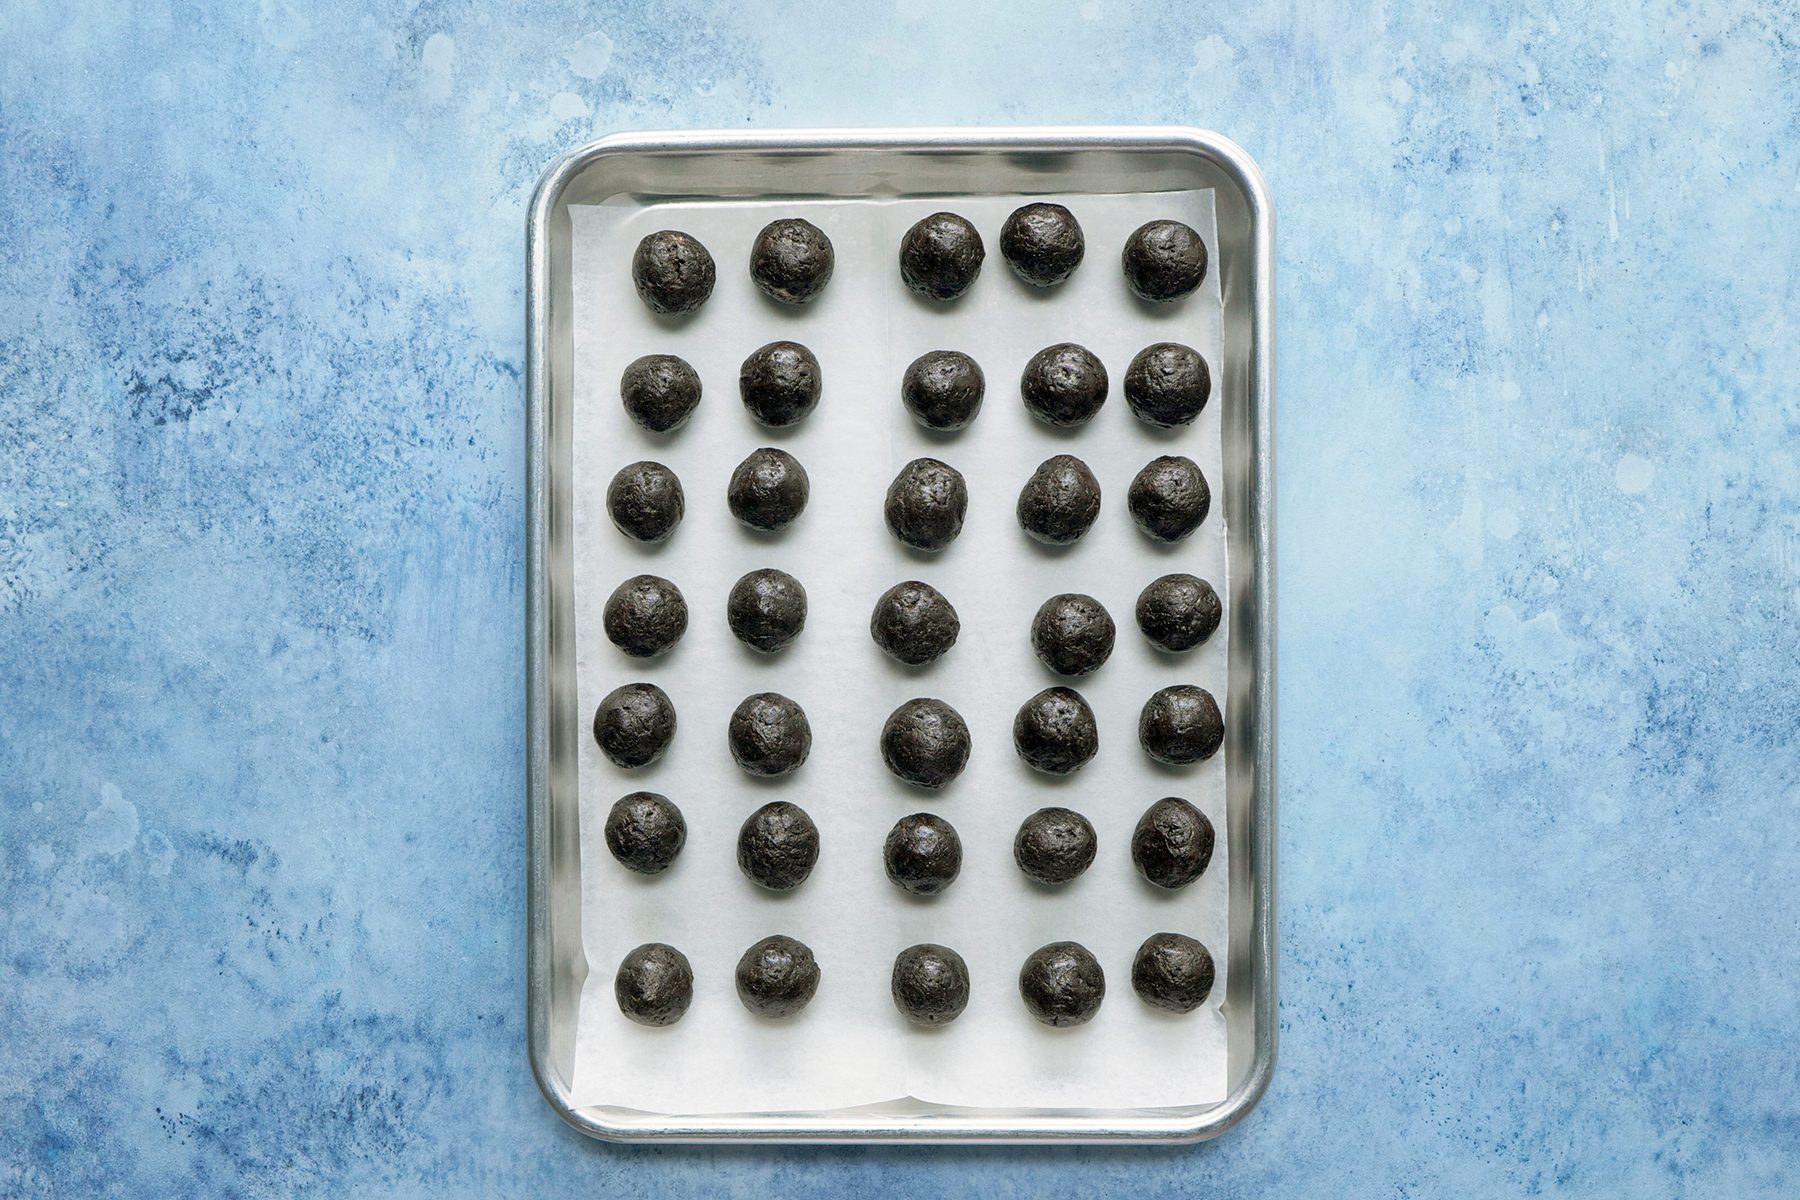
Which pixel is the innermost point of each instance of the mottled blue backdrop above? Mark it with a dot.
(261, 596)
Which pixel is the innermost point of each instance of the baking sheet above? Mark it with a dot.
(850, 1047)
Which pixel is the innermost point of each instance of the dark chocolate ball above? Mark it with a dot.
(1164, 260)
(780, 383)
(1180, 725)
(634, 724)
(942, 389)
(673, 272)
(1172, 972)
(777, 977)
(922, 854)
(768, 489)
(1073, 634)
(914, 623)
(777, 846)
(660, 392)
(926, 504)
(926, 742)
(645, 831)
(930, 984)
(645, 501)
(1043, 243)
(1054, 845)
(1167, 384)
(1054, 731)
(1172, 843)
(940, 256)
(1169, 498)
(769, 734)
(1060, 501)
(655, 984)
(645, 616)
(791, 260)
(766, 609)
(1064, 385)
(1062, 984)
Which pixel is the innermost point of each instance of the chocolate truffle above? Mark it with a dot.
(673, 272)
(1169, 498)
(1167, 384)
(922, 854)
(1073, 634)
(942, 389)
(634, 724)
(926, 742)
(1178, 612)
(777, 846)
(1172, 843)
(1172, 972)
(913, 623)
(655, 984)
(1054, 731)
(940, 256)
(780, 384)
(769, 734)
(1062, 984)
(1042, 243)
(1164, 260)
(766, 609)
(1060, 501)
(645, 501)
(777, 977)
(926, 504)
(1063, 385)
(660, 392)
(791, 260)
(930, 984)
(645, 831)
(1180, 725)
(645, 616)
(768, 489)
(1054, 845)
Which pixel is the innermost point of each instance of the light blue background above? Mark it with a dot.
(261, 528)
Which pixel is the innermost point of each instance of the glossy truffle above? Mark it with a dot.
(645, 501)
(769, 734)
(1178, 612)
(940, 256)
(1172, 972)
(1064, 385)
(942, 389)
(777, 977)
(1169, 498)
(1060, 501)
(914, 623)
(1172, 843)
(766, 609)
(1054, 731)
(922, 854)
(1164, 260)
(1054, 845)
(930, 984)
(645, 831)
(673, 272)
(925, 742)
(1062, 984)
(1167, 384)
(791, 260)
(1042, 243)
(777, 846)
(768, 489)
(926, 504)
(660, 392)
(1073, 634)
(1181, 724)
(655, 984)
(780, 384)
(645, 616)
(634, 724)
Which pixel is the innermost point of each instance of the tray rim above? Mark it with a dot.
(873, 1125)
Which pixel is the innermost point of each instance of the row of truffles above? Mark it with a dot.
(792, 260)
(1061, 984)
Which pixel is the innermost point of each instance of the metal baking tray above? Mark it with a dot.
(849, 164)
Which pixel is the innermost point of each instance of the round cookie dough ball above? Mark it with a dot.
(1054, 732)
(1169, 498)
(1064, 385)
(1042, 243)
(1164, 260)
(645, 831)
(1073, 634)
(777, 977)
(660, 392)
(768, 489)
(942, 389)
(1180, 725)
(922, 854)
(913, 623)
(634, 724)
(1054, 845)
(926, 504)
(925, 742)
(645, 501)
(1172, 843)
(1167, 384)
(1172, 972)
(791, 260)
(1060, 501)
(1178, 612)
(655, 984)
(645, 616)
(769, 735)
(1062, 984)
(777, 846)
(780, 384)
(930, 984)
(940, 256)
(673, 272)
(766, 609)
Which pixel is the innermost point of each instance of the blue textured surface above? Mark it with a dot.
(261, 916)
